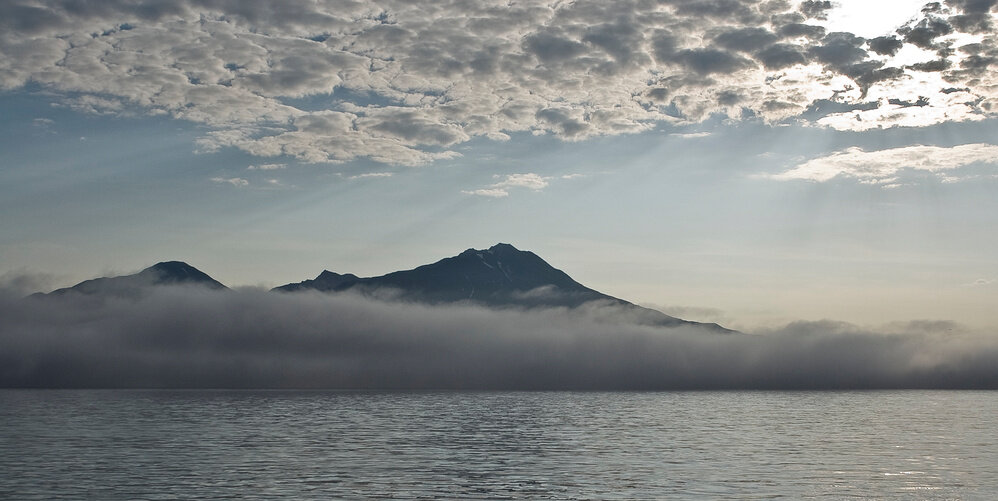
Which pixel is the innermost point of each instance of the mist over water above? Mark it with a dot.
(183, 337)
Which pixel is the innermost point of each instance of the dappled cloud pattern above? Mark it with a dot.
(403, 82)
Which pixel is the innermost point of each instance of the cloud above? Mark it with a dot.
(883, 166)
(22, 282)
(529, 180)
(501, 188)
(690, 135)
(925, 32)
(370, 175)
(887, 45)
(488, 192)
(234, 181)
(267, 167)
(695, 313)
(402, 82)
(189, 337)
(815, 8)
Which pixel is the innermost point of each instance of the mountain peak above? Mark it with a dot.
(162, 273)
(327, 281)
(497, 249)
(499, 276)
(176, 272)
(502, 247)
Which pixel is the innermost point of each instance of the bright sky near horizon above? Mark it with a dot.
(750, 162)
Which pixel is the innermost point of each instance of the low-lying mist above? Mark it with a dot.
(190, 337)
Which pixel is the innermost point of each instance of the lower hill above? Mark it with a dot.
(164, 273)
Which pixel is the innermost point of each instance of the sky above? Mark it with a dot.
(746, 162)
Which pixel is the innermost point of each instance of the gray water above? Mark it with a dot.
(560, 445)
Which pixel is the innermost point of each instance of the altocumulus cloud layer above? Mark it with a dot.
(405, 81)
(176, 337)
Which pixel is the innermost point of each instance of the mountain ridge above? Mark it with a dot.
(500, 276)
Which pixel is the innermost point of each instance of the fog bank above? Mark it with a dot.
(195, 338)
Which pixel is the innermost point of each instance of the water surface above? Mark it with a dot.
(118, 444)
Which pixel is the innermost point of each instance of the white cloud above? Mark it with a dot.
(371, 174)
(488, 192)
(501, 188)
(234, 181)
(404, 82)
(883, 166)
(529, 180)
(267, 167)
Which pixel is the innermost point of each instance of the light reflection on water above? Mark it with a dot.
(533, 445)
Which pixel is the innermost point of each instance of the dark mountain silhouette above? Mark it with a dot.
(165, 273)
(500, 276)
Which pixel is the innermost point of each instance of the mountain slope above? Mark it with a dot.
(164, 273)
(499, 276)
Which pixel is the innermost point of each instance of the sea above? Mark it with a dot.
(187, 444)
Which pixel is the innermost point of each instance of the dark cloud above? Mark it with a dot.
(816, 8)
(729, 98)
(551, 48)
(794, 30)
(664, 44)
(924, 33)
(176, 337)
(932, 8)
(931, 66)
(742, 11)
(413, 126)
(840, 50)
(824, 107)
(781, 55)
(870, 72)
(977, 63)
(886, 45)
(921, 101)
(746, 39)
(979, 58)
(710, 61)
(971, 23)
(622, 40)
(64, 16)
(564, 120)
(973, 6)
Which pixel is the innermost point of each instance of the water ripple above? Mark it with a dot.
(561, 445)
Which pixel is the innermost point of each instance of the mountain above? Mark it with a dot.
(499, 276)
(165, 273)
